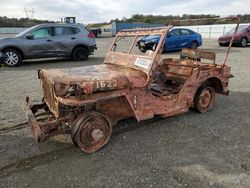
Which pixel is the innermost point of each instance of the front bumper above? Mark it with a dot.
(31, 110)
(1, 57)
(43, 123)
(227, 41)
(145, 46)
(92, 48)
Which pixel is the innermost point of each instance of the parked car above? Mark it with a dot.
(177, 39)
(96, 31)
(48, 40)
(242, 37)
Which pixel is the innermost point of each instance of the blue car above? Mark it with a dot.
(176, 40)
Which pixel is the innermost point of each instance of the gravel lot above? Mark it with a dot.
(190, 150)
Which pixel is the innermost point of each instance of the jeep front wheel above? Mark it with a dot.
(91, 131)
(204, 99)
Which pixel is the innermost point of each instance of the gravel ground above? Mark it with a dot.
(190, 150)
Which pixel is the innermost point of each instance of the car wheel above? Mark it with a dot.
(204, 99)
(142, 49)
(243, 42)
(80, 54)
(12, 58)
(91, 131)
(194, 45)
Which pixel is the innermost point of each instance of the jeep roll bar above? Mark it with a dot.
(235, 18)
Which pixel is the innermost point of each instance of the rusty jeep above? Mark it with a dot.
(87, 102)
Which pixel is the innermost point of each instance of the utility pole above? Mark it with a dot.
(29, 13)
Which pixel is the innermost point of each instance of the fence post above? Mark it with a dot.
(224, 30)
(114, 28)
(210, 28)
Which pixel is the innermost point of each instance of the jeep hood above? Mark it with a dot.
(92, 78)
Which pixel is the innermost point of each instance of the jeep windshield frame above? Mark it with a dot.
(142, 62)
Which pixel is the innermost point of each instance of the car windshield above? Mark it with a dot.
(241, 29)
(25, 31)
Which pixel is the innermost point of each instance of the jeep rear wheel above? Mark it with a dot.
(91, 131)
(204, 99)
(12, 58)
(80, 54)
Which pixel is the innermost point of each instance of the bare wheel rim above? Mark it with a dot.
(11, 58)
(93, 133)
(244, 42)
(206, 99)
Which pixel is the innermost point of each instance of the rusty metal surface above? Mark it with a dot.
(67, 84)
(121, 76)
(91, 131)
(88, 101)
(43, 123)
(237, 19)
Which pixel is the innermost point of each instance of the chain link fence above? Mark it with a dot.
(207, 31)
(212, 31)
(11, 30)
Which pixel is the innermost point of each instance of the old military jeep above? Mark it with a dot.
(87, 102)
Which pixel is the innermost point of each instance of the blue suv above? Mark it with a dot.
(176, 40)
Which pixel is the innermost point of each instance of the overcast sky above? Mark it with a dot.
(94, 11)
